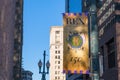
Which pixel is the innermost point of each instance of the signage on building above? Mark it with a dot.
(76, 44)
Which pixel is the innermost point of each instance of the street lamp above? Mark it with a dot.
(92, 6)
(47, 65)
(40, 65)
(93, 33)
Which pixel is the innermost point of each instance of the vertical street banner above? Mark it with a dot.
(76, 44)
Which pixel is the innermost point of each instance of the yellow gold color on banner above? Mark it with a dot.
(76, 44)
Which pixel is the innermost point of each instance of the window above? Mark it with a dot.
(17, 4)
(118, 18)
(57, 46)
(55, 52)
(55, 57)
(111, 60)
(101, 62)
(58, 52)
(57, 32)
(58, 67)
(59, 57)
(57, 37)
(55, 72)
(111, 53)
(58, 77)
(117, 6)
(55, 78)
(58, 62)
(102, 53)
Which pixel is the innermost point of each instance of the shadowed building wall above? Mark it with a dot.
(7, 23)
(109, 39)
(18, 39)
(8, 34)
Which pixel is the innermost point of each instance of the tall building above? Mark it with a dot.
(18, 40)
(56, 53)
(26, 75)
(109, 39)
(11, 23)
(7, 23)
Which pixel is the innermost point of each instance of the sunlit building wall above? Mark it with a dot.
(56, 53)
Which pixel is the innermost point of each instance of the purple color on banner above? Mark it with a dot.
(75, 71)
(81, 72)
(88, 72)
(75, 14)
(86, 13)
(63, 14)
(69, 71)
(69, 14)
(80, 14)
(63, 71)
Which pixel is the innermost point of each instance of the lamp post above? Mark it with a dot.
(92, 6)
(93, 33)
(40, 65)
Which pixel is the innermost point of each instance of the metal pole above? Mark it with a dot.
(43, 74)
(94, 41)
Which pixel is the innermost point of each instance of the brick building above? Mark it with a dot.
(109, 39)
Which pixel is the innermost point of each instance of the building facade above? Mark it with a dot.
(109, 39)
(56, 53)
(10, 35)
(7, 23)
(26, 75)
(18, 40)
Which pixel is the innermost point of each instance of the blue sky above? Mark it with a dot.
(39, 15)
(75, 6)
